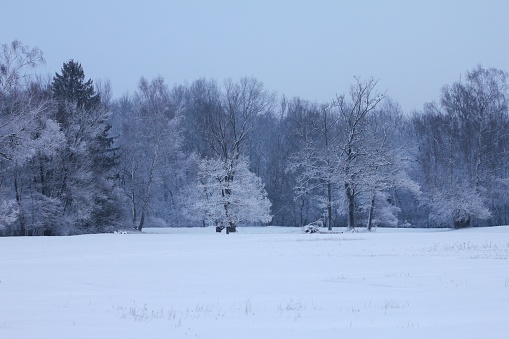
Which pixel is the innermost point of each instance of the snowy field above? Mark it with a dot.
(259, 283)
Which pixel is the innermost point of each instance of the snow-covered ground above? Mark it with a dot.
(259, 283)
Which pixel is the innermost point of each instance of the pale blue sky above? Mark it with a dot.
(311, 49)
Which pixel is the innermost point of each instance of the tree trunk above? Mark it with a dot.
(329, 205)
(301, 212)
(230, 227)
(148, 193)
(371, 210)
(142, 221)
(22, 226)
(42, 178)
(350, 197)
(133, 208)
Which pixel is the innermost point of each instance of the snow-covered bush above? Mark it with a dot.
(458, 209)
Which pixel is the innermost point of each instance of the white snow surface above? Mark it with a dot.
(267, 282)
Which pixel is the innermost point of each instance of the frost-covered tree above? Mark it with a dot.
(316, 163)
(463, 148)
(224, 202)
(82, 175)
(27, 134)
(15, 60)
(20, 107)
(38, 137)
(150, 159)
(353, 111)
(226, 125)
(303, 199)
(386, 162)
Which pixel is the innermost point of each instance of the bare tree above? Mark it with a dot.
(464, 157)
(386, 163)
(15, 60)
(149, 143)
(317, 161)
(353, 112)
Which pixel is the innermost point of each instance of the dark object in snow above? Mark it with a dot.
(462, 222)
(229, 229)
(310, 229)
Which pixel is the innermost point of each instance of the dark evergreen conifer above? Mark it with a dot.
(70, 87)
(87, 166)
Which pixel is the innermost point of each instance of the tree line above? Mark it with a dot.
(75, 160)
